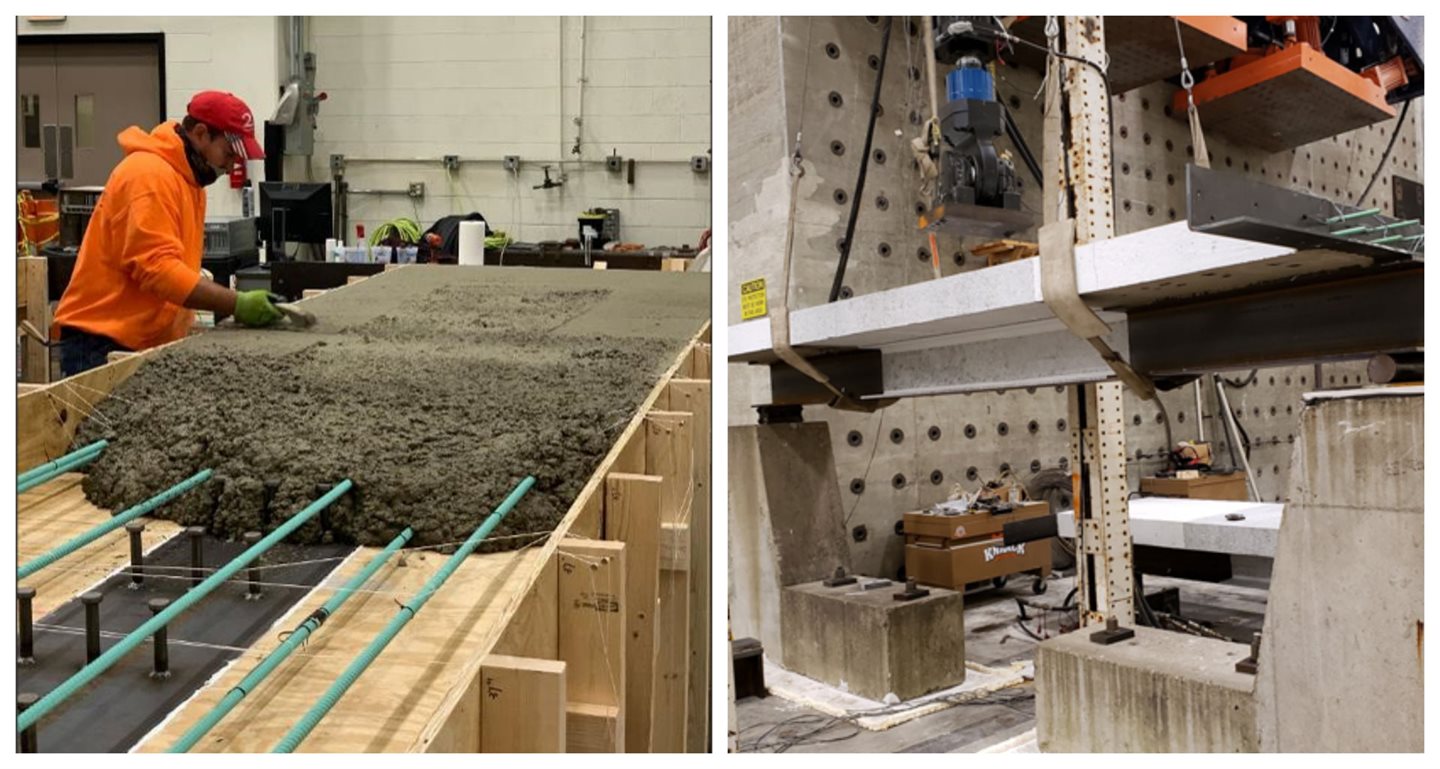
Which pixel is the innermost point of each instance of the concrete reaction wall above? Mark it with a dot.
(486, 87)
(226, 53)
(782, 80)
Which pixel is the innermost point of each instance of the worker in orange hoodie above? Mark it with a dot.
(137, 279)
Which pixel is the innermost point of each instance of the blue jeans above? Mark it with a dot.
(81, 351)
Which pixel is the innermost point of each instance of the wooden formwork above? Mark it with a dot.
(595, 639)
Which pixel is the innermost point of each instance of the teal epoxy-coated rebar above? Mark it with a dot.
(75, 683)
(295, 640)
(114, 523)
(77, 458)
(1352, 215)
(311, 719)
(1394, 238)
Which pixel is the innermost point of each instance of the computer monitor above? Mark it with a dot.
(294, 212)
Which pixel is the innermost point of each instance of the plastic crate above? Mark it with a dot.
(229, 237)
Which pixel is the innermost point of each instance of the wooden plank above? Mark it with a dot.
(632, 516)
(24, 387)
(675, 547)
(631, 456)
(35, 357)
(592, 620)
(461, 734)
(398, 696)
(591, 728)
(694, 396)
(522, 705)
(46, 419)
(534, 630)
(700, 361)
(669, 454)
(667, 731)
(599, 265)
(57, 511)
(311, 292)
(353, 279)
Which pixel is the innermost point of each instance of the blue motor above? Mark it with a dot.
(970, 80)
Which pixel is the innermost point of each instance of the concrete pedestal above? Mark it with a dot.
(868, 643)
(1159, 692)
(786, 522)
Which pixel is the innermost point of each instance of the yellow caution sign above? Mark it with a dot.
(752, 299)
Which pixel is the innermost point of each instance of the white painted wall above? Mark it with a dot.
(235, 54)
(486, 87)
(480, 88)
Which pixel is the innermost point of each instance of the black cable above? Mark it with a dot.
(1013, 131)
(1169, 436)
(1239, 383)
(1399, 124)
(864, 165)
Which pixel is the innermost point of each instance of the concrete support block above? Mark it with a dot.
(1159, 692)
(786, 522)
(868, 643)
(1342, 665)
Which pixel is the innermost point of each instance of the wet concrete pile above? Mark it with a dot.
(434, 389)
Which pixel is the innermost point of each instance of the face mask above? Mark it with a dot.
(205, 174)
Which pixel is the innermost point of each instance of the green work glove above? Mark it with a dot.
(254, 308)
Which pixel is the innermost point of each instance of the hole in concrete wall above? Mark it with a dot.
(860, 533)
(972, 474)
(884, 250)
(832, 50)
(1149, 174)
(900, 527)
(1159, 418)
(882, 202)
(836, 100)
(1124, 132)
(1290, 439)
(959, 258)
(914, 73)
(1149, 210)
(841, 197)
(933, 433)
(1125, 168)
(919, 208)
(1181, 417)
(1170, 179)
(923, 254)
(837, 148)
(1125, 205)
(1034, 465)
(1004, 468)
(1060, 425)
(857, 486)
(969, 431)
(937, 477)
(914, 117)
(1030, 390)
(1003, 429)
(1274, 411)
(854, 438)
(898, 481)
(897, 436)
(878, 156)
(846, 292)
(1137, 420)
(1289, 409)
(874, 62)
(1033, 427)
(874, 21)
(1064, 463)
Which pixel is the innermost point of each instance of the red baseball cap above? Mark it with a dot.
(226, 112)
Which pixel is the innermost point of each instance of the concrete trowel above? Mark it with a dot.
(299, 318)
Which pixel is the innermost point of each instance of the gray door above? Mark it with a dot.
(35, 83)
(86, 93)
